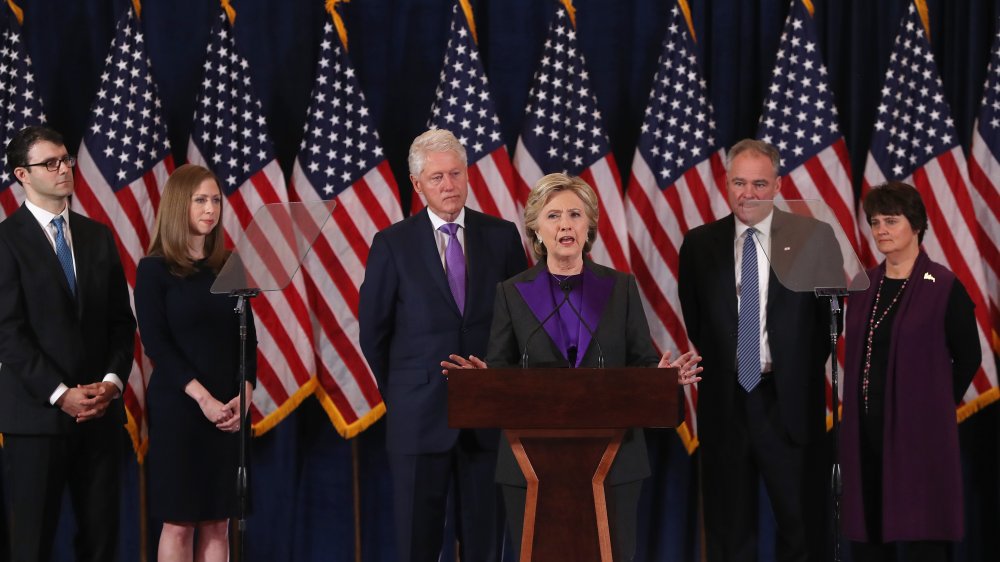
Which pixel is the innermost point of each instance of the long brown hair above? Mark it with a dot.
(173, 223)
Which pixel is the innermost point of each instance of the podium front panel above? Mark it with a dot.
(563, 398)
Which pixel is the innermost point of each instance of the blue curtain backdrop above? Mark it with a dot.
(301, 482)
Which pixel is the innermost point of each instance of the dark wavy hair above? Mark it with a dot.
(898, 198)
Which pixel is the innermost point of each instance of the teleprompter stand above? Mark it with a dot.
(266, 258)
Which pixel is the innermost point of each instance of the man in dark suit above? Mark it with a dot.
(428, 293)
(66, 345)
(761, 400)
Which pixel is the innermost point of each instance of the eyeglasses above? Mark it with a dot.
(52, 165)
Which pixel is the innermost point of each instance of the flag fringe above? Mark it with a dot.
(686, 10)
(230, 12)
(138, 445)
(18, 11)
(274, 418)
(689, 440)
(338, 22)
(570, 10)
(467, 8)
(348, 430)
(924, 17)
(981, 401)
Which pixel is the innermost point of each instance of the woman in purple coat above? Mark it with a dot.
(912, 350)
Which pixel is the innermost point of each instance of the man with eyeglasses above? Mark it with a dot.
(66, 346)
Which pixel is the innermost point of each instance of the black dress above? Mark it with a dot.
(189, 333)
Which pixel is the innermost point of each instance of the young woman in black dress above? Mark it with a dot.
(192, 338)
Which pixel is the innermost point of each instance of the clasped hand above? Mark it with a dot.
(687, 365)
(87, 402)
(225, 416)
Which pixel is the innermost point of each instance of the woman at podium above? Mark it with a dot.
(568, 311)
(912, 350)
(192, 337)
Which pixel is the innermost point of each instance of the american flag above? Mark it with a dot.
(914, 141)
(984, 171)
(124, 160)
(20, 106)
(678, 182)
(342, 159)
(800, 119)
(463, 105)
(230, 138)
(563, 133)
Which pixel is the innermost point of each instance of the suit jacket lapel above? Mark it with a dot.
(431, 258)
(477, 291)
(537, 295)
(596, 295)
(776, 289)
(723, 250)
(83, 254)
(40, 246)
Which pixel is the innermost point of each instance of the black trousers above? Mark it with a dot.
(421, 484)
(756, 446)
(38, 468)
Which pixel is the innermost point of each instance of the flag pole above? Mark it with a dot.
(356, 489)
(143, 515)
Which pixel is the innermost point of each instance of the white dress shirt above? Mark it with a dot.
(763, 238)
(442, 238)
(44, 219)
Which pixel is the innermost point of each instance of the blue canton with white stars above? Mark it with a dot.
(678, 129)
(800, 117)
(229, 127)
(340, 143)
(126, 136)
(913, 123)
(462, 103)
(989, 112)
(563, 130)
(20, 106)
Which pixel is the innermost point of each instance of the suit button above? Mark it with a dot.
(465, 330)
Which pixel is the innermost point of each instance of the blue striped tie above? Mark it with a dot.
(748, 339)
(64, 255)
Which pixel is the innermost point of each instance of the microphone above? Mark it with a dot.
(566, 288)
(593, 336)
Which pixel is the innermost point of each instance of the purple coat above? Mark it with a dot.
(921, 471)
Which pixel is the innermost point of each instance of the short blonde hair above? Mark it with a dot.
(433, 140)
(172, 230)
(544, 191)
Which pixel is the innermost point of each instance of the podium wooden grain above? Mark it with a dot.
(565, 427)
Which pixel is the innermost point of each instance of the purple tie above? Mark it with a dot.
(454, 260)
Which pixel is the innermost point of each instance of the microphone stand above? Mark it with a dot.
(242, 488)
(833, 294)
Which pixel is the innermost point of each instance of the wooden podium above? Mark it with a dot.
(565, 427)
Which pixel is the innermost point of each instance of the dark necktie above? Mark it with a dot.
(64, 255)
(748, 339)
(454, 260)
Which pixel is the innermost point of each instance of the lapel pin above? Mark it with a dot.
(787, 248)
(929, 276)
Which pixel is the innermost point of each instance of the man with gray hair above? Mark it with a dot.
(761, 399)
(428, 293)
